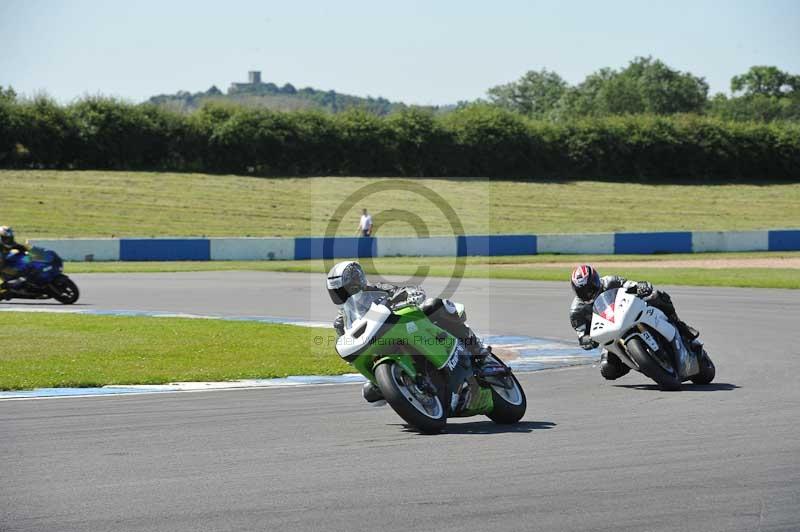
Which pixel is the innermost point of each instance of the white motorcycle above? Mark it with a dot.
(644, 339)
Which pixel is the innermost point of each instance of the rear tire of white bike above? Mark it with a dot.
(707, 370)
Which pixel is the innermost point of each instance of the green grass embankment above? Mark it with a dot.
(61, 204)
(58, 350)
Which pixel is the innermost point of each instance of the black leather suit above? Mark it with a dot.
(580, 317)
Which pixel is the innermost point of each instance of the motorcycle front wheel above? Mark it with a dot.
(647, 364)
(414, 403)
(64, 290)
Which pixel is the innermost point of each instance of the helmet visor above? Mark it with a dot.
(338, 295)
(587, 292)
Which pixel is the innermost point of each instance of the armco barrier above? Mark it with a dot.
(333, 248)
(145, 249)
(497, 245)
(304, 248)
(100, 249)
(730, 241)
(252, 248)
(785, 240)
(649, 243)
(435, 246)
(600, 244)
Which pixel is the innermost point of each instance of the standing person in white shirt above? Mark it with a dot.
(365, 225)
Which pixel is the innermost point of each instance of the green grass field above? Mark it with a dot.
(533, 267)
(50, 203)
(58, 350)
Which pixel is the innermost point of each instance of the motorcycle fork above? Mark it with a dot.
(457, 377)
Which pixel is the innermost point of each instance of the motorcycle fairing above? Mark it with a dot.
(626, 311)
(406, 331)
(631, 317)
(362, 331)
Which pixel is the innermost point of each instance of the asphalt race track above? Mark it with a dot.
(589, 455)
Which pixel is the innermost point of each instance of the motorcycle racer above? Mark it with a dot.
(587, 284)
(347, 280)
(8, 246)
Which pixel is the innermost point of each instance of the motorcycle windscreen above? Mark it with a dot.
(357, 305)
(604, 304)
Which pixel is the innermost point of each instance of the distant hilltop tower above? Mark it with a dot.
(253, 82)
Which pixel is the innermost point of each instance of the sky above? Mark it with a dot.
(420, 52)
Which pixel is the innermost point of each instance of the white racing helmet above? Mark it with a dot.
(6, 235)
(345, 279)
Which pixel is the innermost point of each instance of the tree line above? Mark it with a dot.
(279, 98)
(481, 140)
(648, 86)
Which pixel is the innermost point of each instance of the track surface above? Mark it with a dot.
(589, 455)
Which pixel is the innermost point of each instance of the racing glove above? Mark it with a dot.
(416, 296)
(644, 289)
(338, 325)
(641, 289)
(587, 343)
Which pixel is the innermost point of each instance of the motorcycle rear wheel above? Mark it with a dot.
(420, 408)
(707, 370)
(64, 290)
(647, 365)
(509, 402)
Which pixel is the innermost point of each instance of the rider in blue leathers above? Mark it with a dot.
(8, 247)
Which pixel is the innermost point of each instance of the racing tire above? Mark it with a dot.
(429, 415)
(64, 290)
(707, 370)
(505, 411)
(647, 365)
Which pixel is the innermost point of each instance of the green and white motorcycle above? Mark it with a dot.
(424, 372)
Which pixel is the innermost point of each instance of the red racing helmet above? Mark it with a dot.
(585, 282)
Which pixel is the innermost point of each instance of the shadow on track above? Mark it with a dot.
(713, 387)
(490, 427)
(39, 303)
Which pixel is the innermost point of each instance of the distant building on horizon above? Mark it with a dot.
(253, 81)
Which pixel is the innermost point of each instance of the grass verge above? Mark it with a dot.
(534, 267)
(63, 350)
(50, 203)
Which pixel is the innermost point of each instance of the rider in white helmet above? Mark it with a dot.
(347, 279)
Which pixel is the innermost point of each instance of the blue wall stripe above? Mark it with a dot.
(493, 245)
(303, 248)
(333, 248)
(785, 240)
(164, 249)
(646, 243)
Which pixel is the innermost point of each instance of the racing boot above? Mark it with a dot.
(372, 394)
(688, 333)
(611, 367)
(481, 363)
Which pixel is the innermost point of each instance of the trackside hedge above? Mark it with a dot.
(479, 140)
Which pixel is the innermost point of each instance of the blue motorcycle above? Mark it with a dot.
(41, 276)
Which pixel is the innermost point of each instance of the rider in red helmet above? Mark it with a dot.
(587, 284)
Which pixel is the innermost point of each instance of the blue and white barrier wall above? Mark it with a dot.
(302, 248)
